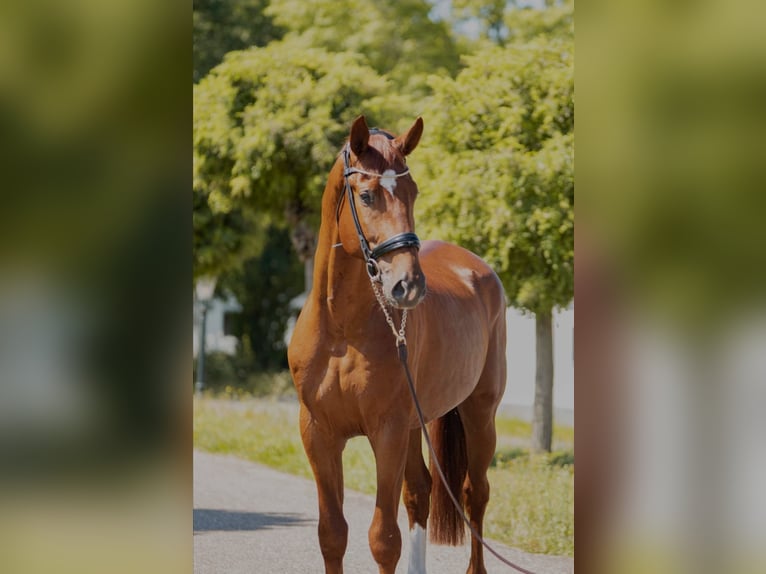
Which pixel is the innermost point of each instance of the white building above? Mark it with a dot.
(520, 390)
(217, 333)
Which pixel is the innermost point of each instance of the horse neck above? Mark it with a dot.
(341, 285)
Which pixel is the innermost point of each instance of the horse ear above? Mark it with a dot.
(360, 135)
(408, 141)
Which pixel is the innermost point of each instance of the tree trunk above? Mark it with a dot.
(302, 236)
(308, 273)
(542, 421)
(304, 240)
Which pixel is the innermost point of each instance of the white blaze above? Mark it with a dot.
(388, 180)
(417, 564)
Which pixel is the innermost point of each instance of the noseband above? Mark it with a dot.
(398, 241)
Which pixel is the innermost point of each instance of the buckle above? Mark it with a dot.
(373, 270)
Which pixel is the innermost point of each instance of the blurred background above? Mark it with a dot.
(95, 286)
(670, 376)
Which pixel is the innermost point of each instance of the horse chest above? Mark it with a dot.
(351, 383)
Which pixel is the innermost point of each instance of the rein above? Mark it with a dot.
(373, 271)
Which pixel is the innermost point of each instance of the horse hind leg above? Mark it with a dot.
(416, 495)
(477, 413)
(480, 446)
(325, 455)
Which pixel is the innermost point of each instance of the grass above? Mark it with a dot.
(514, 428)
(532, 506)
(532, 500)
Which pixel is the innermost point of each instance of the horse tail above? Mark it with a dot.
(448, 437)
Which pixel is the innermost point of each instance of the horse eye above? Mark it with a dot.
(366, 198)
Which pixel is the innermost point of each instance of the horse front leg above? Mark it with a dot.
(389, 444)
(324, 451)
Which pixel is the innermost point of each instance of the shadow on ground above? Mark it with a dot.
(212, 520)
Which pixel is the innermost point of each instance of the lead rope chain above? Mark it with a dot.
(401, 346)
(400, 338)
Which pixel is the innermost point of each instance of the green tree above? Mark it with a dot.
(221, 26)
(487, 14)
(397, 38)
(507, 21)
(268, 123)
(527, 23)
(497, 176)
(265, 285)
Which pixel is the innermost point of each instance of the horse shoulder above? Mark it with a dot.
(454, 269)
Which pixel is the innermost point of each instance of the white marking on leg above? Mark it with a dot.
(388, 180)
(417, 564)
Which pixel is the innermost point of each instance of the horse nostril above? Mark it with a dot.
(399, 289)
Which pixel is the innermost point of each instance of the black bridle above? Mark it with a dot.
(398, 241)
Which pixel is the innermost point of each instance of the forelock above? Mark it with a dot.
(382, 153)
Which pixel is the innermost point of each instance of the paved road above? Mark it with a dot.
(251, 519)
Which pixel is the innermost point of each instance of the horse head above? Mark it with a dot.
(380, 196)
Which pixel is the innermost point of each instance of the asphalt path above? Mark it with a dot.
(251, 519)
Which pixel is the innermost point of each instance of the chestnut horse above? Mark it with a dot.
(345, 367)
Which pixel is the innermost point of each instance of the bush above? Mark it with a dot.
(504, 457)
(561, 458)
(221, 370)
(234, 377)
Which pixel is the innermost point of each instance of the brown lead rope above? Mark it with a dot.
(401, 345)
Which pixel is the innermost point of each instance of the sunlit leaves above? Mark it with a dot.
(396, 38)
(221, 26)
(497, 167)
(267, 125)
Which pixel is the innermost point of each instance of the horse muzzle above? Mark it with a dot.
(407, 291)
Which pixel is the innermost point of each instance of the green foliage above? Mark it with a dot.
(223, 238)
(223, 370)
(264, 286)
(497, 169)
(505, 21)
(268, 121)
(267, 125)
(505, 456)
(233, 377)
(561, 458)
(221, 26)
(488, 14)
(396, 38)
(556, 20)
